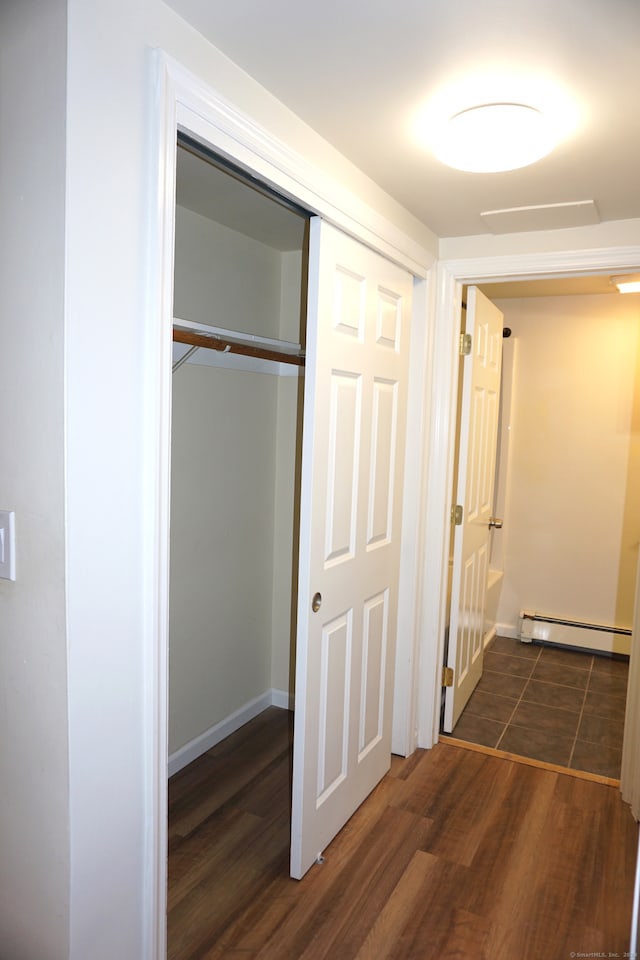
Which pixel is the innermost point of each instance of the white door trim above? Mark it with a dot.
(443, 380)
(208, 116)
(180, 101)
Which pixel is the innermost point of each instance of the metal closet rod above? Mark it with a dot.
(214, 342)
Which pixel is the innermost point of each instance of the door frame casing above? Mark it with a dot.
(451, 276)
(181, 102)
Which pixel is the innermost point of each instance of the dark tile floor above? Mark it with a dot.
(559, 706)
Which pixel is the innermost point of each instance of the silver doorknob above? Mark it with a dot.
(494, 522)
(316, 603)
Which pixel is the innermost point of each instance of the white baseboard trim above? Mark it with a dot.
(488, 637)
(281, 698)
(200, 744)
(508, 630)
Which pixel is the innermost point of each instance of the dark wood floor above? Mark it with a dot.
(455, 854)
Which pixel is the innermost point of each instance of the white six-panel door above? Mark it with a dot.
(358, 326)
(476, 475)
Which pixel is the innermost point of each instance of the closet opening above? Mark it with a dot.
(240, 282)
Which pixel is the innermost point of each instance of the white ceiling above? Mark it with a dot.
(211, 192)
(358, 71)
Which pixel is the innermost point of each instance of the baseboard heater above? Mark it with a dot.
(573, 633)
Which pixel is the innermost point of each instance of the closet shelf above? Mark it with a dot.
(247, 348)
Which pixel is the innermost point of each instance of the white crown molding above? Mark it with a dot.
(207, 115)
(522, 266)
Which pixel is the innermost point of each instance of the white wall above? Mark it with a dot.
(34, 768)
(572, 516)
(614, 233)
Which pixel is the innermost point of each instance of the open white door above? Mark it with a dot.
(359, 313)
(476, 475)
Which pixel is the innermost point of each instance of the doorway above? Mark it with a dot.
(184, 105)
(568, 449)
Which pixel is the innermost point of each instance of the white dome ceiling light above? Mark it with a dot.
(630, 283)
(494, 137)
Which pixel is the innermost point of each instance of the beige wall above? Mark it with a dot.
(223, 480)
(287, 493)
(286, 532)
(572, 511)
(34, 760)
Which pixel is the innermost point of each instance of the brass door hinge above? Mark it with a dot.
(456, 515)
(465, 344)
(447, 676)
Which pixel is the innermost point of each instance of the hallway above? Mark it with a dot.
(455, 854)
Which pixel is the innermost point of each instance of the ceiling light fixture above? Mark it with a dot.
(627, 284)
(494, 137)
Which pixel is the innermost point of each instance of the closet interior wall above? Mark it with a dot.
(235, 450)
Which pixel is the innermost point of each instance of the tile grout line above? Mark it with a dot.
(590, 671)
(519, 701)
(509, 723)
(584, 703)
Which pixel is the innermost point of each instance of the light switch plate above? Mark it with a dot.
(7, 545)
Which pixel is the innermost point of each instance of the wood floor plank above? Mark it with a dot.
(540, 892)
(359, 896)
(342, 908)
(467, 936)
(509, 844)
(266, 918)
(460, 798)
(219, 840)
(403, 767)
(226, 891)
(462, 935)
(608, 896)
(438, 926)
(383, 936)
(223, 771)
(455, 854)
